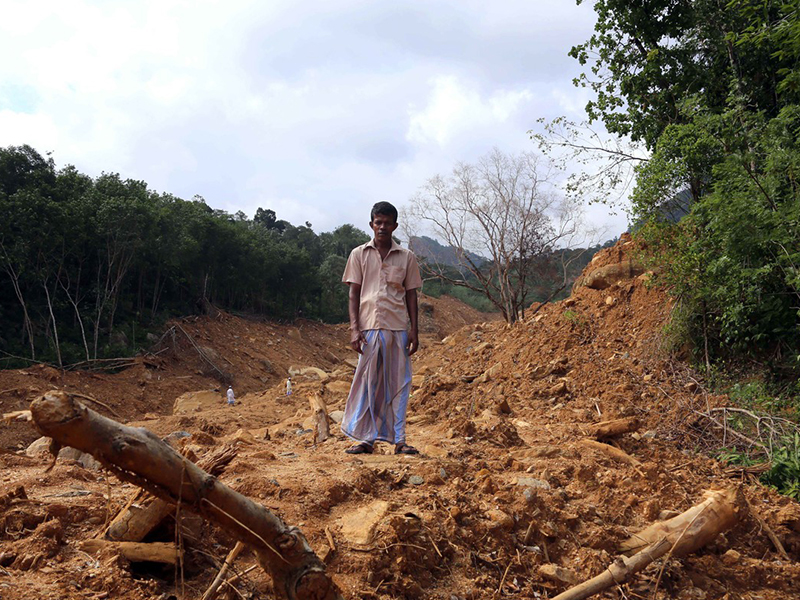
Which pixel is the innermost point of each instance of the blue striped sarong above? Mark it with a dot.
(376, 407)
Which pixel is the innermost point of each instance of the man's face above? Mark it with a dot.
(383, 226)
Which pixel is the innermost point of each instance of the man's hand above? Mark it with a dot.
(357, 339)
(413, 342)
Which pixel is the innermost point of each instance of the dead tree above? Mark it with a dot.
(138, 456)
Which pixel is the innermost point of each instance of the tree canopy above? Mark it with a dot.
(93, 264)
(712, 89)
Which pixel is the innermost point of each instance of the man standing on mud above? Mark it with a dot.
(383, 280)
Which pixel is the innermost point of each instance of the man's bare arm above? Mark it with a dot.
(353, 306)
(413, 313)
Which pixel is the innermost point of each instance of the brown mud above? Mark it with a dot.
(505, 490)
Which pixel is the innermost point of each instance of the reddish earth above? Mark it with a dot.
(504, 484)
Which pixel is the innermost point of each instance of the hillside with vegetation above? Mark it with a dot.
(711, 92)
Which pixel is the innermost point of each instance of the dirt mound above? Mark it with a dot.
(507, 499)
(440, 317)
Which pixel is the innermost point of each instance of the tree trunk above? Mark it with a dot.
(139, 517)
(27, 324)
(607, 429)
(77, 314)
(718, 512)
(679, 536)
(161, 552)
(320, 413)
(55, 325)
(144, 512)
(137, 455)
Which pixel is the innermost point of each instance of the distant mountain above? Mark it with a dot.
(434, 252)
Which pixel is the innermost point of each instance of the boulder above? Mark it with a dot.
(532, 482)
(358, 526)
(312, 372)
(499, 520)
(38, 447)
(604, 277)
(242, 436)
(491, 373)
(41, 447)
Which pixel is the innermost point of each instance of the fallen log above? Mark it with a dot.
(607, 429)
(679, 536)
(138, 456)
(144, 512)
(320, 413)
(160, 552)
(768, 530)
(719, 511)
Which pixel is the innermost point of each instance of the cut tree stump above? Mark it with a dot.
(161, 552)
(138, 456)
(679, 536)
(144, 512)
(320, 412)
(607, 429)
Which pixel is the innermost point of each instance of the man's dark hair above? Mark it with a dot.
(383, 208)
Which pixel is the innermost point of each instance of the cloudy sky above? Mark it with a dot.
(314, 109)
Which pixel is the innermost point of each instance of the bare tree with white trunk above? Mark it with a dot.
(505, 208)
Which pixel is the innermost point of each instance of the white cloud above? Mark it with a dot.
(315, 109)
(454, 109)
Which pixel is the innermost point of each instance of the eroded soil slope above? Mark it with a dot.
(505, 491)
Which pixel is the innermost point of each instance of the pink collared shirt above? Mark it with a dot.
(383, 285)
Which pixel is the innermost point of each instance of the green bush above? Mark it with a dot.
(784, 475)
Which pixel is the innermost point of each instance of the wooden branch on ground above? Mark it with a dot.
(102, 364)
(734, 433)
(17, 415)
(607, 429)
(679, 536)
(223, 376)
(96, 401)
(144, 512)
(138, 456)
(230, 582)
(212, 589)
(161, 552)
(615, 453)
(320, 412)
(768, 530)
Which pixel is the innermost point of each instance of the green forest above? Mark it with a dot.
(91, 266)
(711, 90)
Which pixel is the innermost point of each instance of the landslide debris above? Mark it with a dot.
(513, 495)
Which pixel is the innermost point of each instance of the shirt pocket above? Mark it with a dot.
(395, 277)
